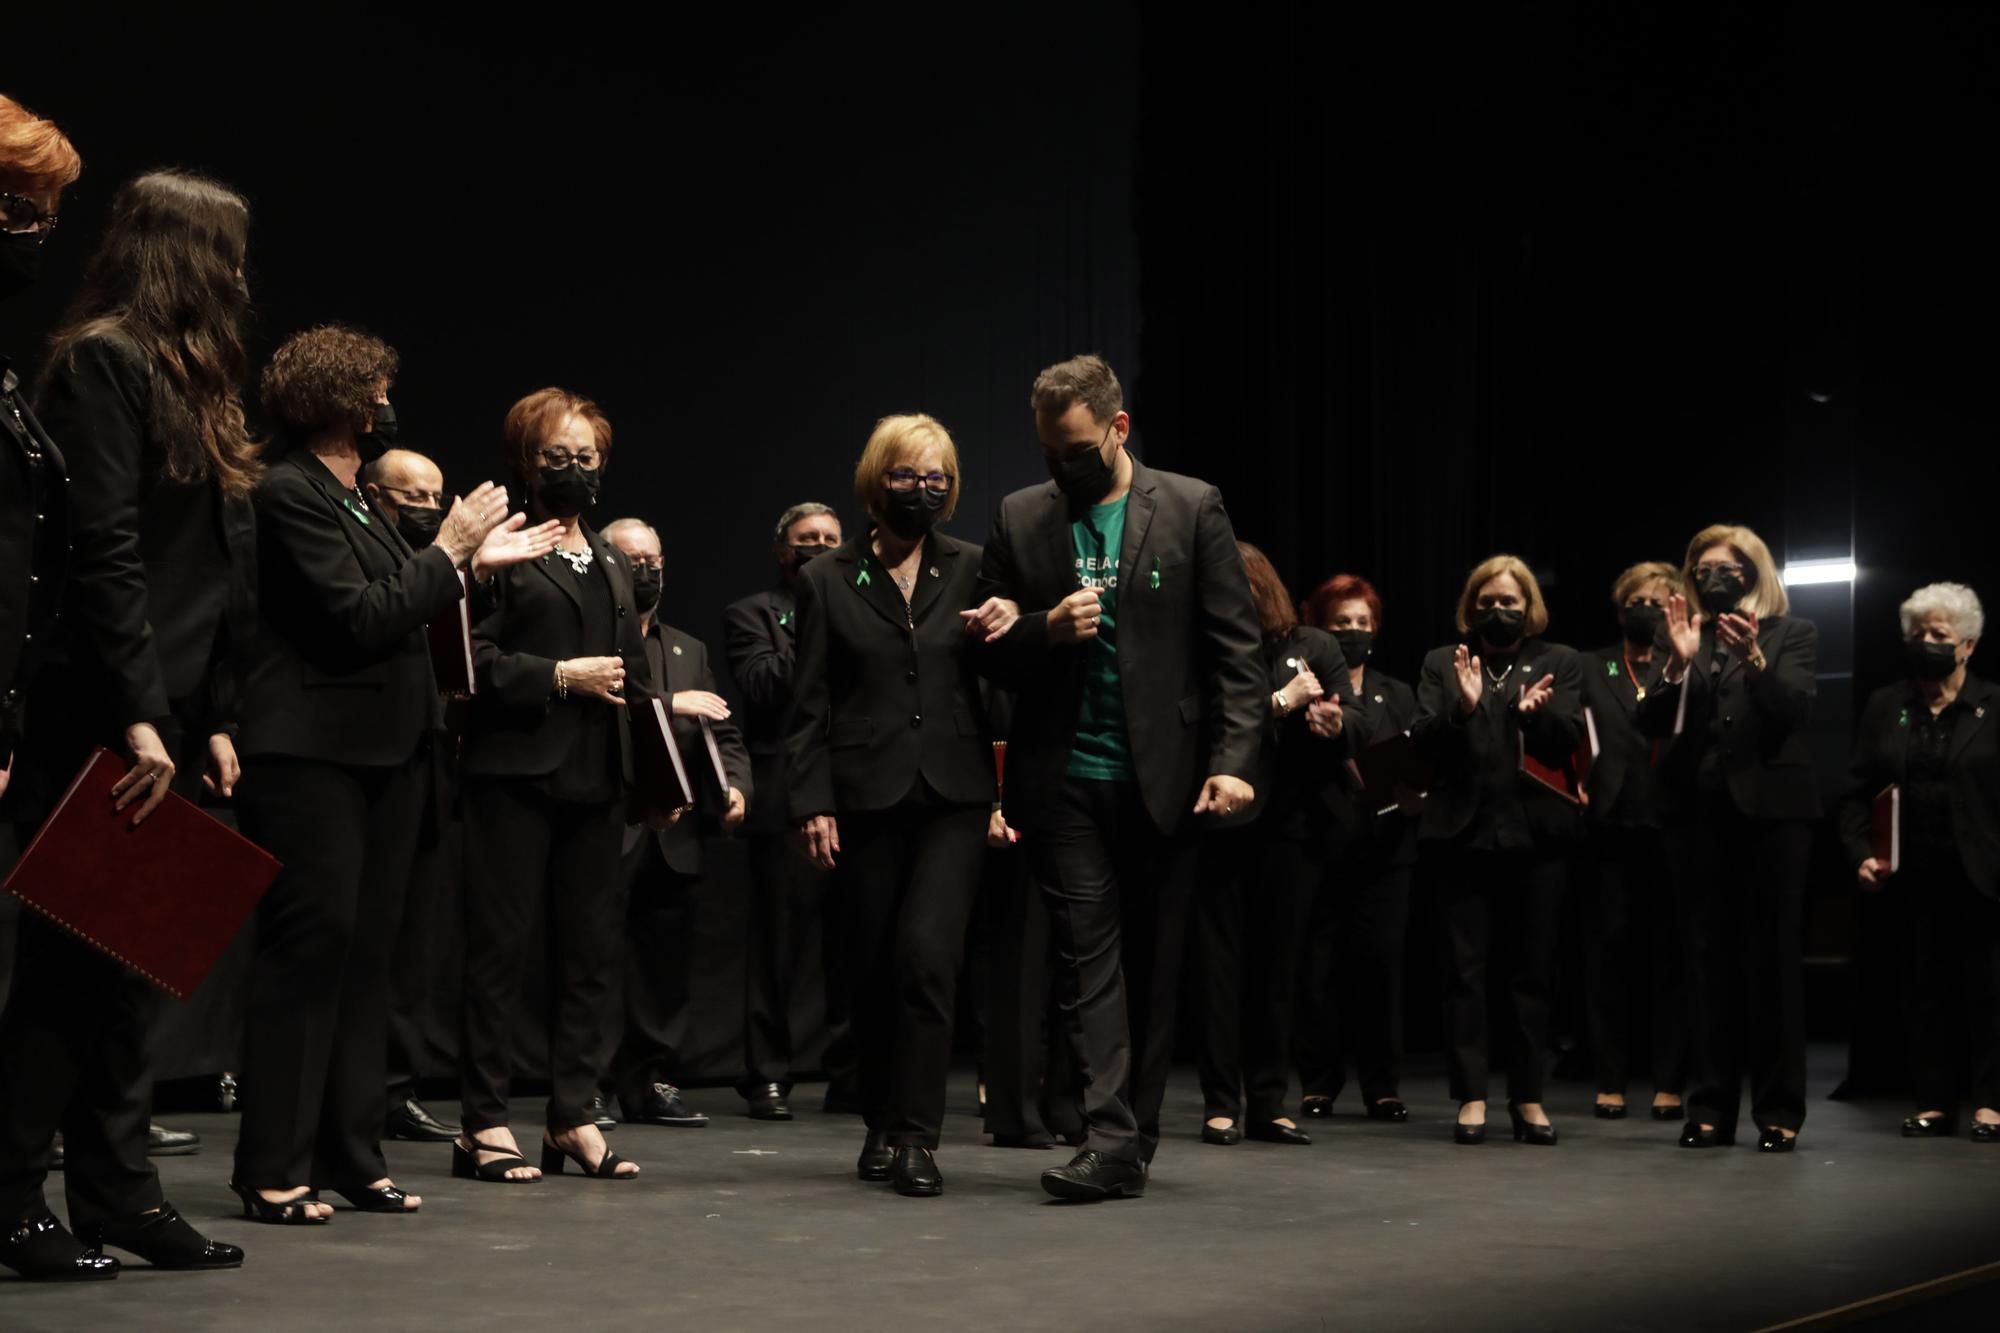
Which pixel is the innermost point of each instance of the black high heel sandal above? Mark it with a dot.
(553, 1158)
(465, 1164)
(368, 1199)
(1525, 1131)
(291, 1213)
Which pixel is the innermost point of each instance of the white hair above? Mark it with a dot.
(613, 527)
(1959, 604)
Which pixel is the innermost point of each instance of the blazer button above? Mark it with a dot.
(917, 721)
(621, 611)
(910, 677)
(1727, 720)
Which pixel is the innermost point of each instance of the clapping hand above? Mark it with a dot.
(1737, 631)
(1683, 632)
(471, 519)
(1471, 678)
(513, 543)
(1535, 695)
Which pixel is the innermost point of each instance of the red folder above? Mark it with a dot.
(451, 646)
(660, 777)
(1391, 775)
(1570, 778)
(999, 766)
(1888, 827)
(164, 899)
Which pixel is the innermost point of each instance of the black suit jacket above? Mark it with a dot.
(1382, 707)
(685, 659)
(1188, 644)
(1623, 781)
(886, 691)
(760, 636)
(1294, 765)
(1881, 747)
(34, 548)
(531, 617)
(1461, 754)
(1762, 724)
(338, 667)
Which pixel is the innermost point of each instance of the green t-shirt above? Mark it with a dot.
(1102, 751)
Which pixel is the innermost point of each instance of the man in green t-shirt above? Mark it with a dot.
(1115, 607)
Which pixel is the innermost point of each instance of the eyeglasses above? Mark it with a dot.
(648, 561)
(417, 499)
(20, 216)
(1718, 567)
(907, 479)
(557, 456)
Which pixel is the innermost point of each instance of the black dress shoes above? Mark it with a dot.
(1694, 1136)
(1675, 1112)
(164, 1142)
(1091, 1176)
(1391, 1109)
(661, 1104)
(768, 1103)
(599, 1112)
(877, 1158)
(916, 1175)
(1927, 1127)
(1024, 1141)
(163, 1239)
(41, 1249)
(409, 1119)
(1527, 1131)
(1985, 1133)
(1225, 1137)
(1270, 1131)
(1776, 1140)
(1317, 1108)
(1611, 1110)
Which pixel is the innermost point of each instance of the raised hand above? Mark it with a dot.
(1471, 678)
(991, 619)
(511, 542)
(1683, 632)
(471, 518)
(1074, 619)
(1737, 631)
(700, 703)
(1535, 695)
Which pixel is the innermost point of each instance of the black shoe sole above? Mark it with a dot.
(919, 1191)
(768, 1116)
(187, 1150)
(419, 1135)
(63, 1276)
(1078, 1192)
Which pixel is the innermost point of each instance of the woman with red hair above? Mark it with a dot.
(1353, 958)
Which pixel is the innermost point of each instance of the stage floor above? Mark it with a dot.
(751, 1226)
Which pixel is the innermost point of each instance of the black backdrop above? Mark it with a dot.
(1416, 285)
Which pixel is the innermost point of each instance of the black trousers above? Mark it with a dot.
(1950, 949)
(1501, 913)
(1635, 938)
(1351, 984)
(906, 878)
(430, 914)
(1254, 888)
(1118, 893)
(1023, 1058)
(785, 894)
(659, 911)
(315, 1030)
(1744, 882)
(538, 871)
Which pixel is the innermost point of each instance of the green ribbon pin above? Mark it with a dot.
(1154, 580)
(1904, 720)
(1611, 670)
(862, 580)
(784, 619)
(355, 510)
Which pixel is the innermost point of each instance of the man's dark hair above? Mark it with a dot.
(1086, 379)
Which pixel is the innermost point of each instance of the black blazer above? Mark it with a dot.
(685, 659)
(34, 549)
(338, 666)
(1764, 756)
(1461, 754)
(1293, 765)
(159, 569)
(1188, 644)
(760, 636)
(1382, 707)
(1881, 744)
(1623, 780)
(530, 617)
(886, 691)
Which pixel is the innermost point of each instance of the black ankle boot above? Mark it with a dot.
(41, 1249)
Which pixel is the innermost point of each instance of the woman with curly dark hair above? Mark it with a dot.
(339, 706)
(141, 394)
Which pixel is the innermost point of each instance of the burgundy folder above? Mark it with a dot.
(1887, 820)
(164, 899)
(660, 785)
(451, 647)
(1391, 775)
(1568, 779)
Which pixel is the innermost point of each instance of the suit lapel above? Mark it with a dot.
(864, 576)
(940, 563)
(615, 577)
(352, 512)
(1139, 506)
(1971, 717)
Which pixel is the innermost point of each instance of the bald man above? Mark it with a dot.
(409, 490)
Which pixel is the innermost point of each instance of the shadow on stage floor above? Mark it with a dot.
(748, 1225)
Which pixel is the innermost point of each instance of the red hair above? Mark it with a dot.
(534, 421)
(34, 148)
(1317, 610)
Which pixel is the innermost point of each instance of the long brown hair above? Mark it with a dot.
(165, 276)
(1275, 616)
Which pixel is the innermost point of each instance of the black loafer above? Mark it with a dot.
(410, 1120)
(916, 1174)
(1775, 1140)
(41, 1249)
(1317, 1108)
(1391, 1109)
(768, 1103)
(599, 1112)
(1270, 1131)
(1928, 1127)
(877, 1158)
(1694, 1136)
(163, 1239)
(164, 1142)
(1985, 1133)
(661, 1104)
(1092, 1176)
(1675, 1112)
(1226, 1137)
(1611, 1110)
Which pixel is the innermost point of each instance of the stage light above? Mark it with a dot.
(1801, 573)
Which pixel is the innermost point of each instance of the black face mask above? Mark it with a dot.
(1355, 644)
(418, 526)
(1500, 626)
(801, 554)
(20, 262)
(1931, 661)
(913, 513)
(385, 423)
(567, 491)
(1083, 476)
(645, 587)
(1642, 624)
(1720, 591)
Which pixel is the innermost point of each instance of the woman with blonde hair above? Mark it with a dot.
(890, 761)
(1736, 775)
(1495, 841)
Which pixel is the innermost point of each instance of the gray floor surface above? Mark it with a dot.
(744, 1225)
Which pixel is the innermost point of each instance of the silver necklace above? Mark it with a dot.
(578, 560)
(1497, 680)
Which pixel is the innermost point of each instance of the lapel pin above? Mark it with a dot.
(1154, 581)
(677, 650)
(862, 580)
(934, 572)
(1378, 698)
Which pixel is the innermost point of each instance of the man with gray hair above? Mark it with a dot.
(760, 638)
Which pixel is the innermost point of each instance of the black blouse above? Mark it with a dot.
(589, 773)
